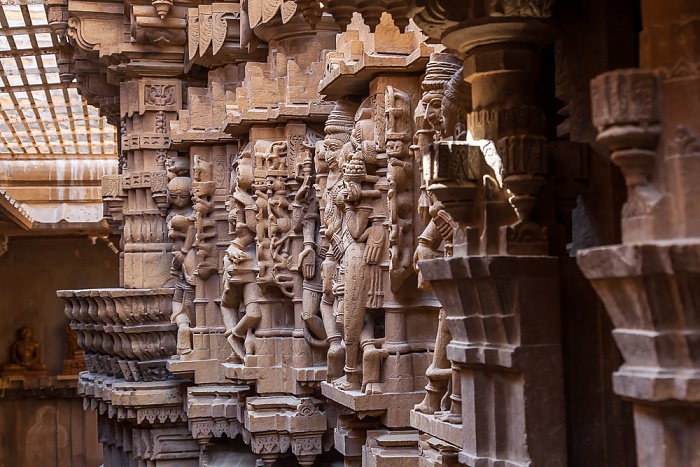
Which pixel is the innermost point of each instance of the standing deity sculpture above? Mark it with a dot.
(359, 246)
(445, 97)
(240, 283)
(331, 157)
(401, 180)
(181, 231)
(305, 215)
(431, 126)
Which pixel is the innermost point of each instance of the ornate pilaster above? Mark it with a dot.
(646, 283)
(371, 227)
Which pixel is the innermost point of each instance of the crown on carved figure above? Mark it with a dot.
(341, 119)
(440, 70)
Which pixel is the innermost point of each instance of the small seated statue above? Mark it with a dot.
(25, 354)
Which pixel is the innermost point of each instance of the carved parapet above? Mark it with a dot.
(361, 55)
(125, 332)
(278, 423)
(286, 86)
(501, 323)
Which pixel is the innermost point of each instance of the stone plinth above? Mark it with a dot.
(503, 314)
(393, 409)
(391, 449)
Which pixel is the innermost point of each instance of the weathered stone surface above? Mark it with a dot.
(359, 242)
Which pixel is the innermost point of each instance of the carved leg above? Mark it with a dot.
(184, 333)
(438, 372)
(311, 302)
(356, 293)
(371, 359)
(230, 299)
(336, 353)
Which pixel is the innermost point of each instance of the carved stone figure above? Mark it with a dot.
(401, 181)
(240, 285)
(362, 240)
(330, 160)
(306, 221)
(444, 119)
(181, 231)
(431, 126)
(26, 352)
(203, 188)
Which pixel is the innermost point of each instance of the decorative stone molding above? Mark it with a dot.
(125, 333)
(278, 423)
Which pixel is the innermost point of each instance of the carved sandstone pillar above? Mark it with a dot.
(505, 331)
(648, 282)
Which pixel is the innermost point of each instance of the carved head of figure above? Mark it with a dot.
(429, 119)
(180, 192)
(338, 127)
(26, 334)
(396, 148)
(203, 170)
(441, 68)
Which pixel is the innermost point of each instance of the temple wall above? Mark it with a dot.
(52, 432)
(31, 272)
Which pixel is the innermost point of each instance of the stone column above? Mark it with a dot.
(648, 283)
(505, 332)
